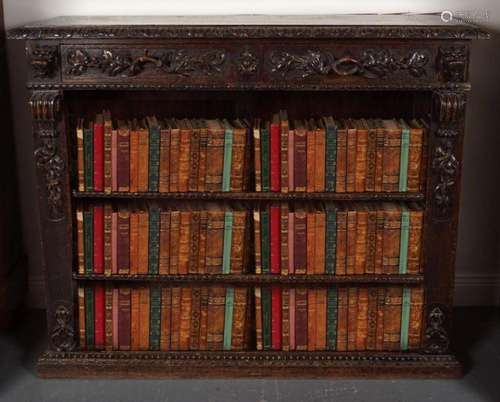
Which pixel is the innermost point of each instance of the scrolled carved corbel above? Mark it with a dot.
(436, 337)
(62, 334)
(452, 63)
(43, 60)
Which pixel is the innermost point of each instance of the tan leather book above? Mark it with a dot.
(311, 155)
(319, 158)
(80, 155)
(415, 240)
(416, 318)
(108, 251)
(361, 155)
(311, 233)
(81, 318)
(202, 173)
(215, 238)
(134, 157)
(238, 155)
(371, 239)
(108, 129)
(144, 318)
(379, 239)
(285, 318)
(284, 129)
(361, 240)
(379, 333)
(203, 318)
(362, 324)
(350, 182)
(194, 154)
(108, 317)
(379, 155)
(352, 318)
(134, 243)
(371, 155)
(194, 338)
(340, 177)
(123, 157)
(164, 179)
(166, 316)
(257, 242)
(80, 241)
(143, 242)
(215, 155)
(184, 231)
(351, 241)
(215, 327)
(342, 319)
(284, 237)
(185, 325)
(391, 156)
(184, 149)
(371, 339)
(319, 242)
(258, 319)
(415, 156)
(341, 252)
(164, 262)
(392, 235)
(300, 157)
(123, 242)
(312, 325)
(239, 318)
(202, 259)
(320, 319)
(392, 318)
(194, 241)
(300, 242)
(143, 159)
(174, 156)
(176, 319)
(238, 245)
(134, 319)
(256, 152)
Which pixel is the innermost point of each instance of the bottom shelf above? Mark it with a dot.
(246, 364)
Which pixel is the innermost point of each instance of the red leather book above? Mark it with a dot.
(301, 319)
(124, 318)
(275, 154)
(99, 239)
(275, 239)
(276, 318)
(99, 153)
(99, 316)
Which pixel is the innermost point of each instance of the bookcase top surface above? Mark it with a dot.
(362, 26)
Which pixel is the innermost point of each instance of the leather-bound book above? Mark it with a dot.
(143, 158)
(379, 334)
(404, 156)
(258, 318)
(194, 242)
(108, 228)
(143, 242)
(123, 157)
(164, 258)
(285, 325)
(416, 317)
(350, 181)
(134, 157)
(300, 157)
(238, 242)
(404, 238)
(88, 153)
(257, 241)
(415, 239)
(239, 152)
(301, 324)
(184, 149)
(290, 242)
(265, 241)
(331, 239)
(352, 318)
(291, 160)
(275, 154)
(341, 174)
(135, 319)
(184, 233)
(114, 160)
(115, 312)
(392, 318)
(89, 318)
(275, 240)
(311, 157)
(134, 243)
(266, 318)
(123, 243)
(194, 155)
(392, 236)
(114, 242)
(108, 317)
(276, 318)
(228, 155)
(176, 318)
(362, 325)
(371, 239)
(405, 318)
(155, 318)
(81, 318)
(257, 155)
(321, 318)
(265, 144)
(310, 244)
(341, 248)
(331, 153)
(215, 241)
(415, 156)
(291, 310)
(80, 242)
(342, 319)
(239, 318)
(379, 154)
(361, 155)
(320, 242)
(144, 312)
(80, 155)
(312, 325)
(371, 339)
(185, 324)
(164, 169)
(371, 155)
(300, 242)
(215, 327)
(174, 156)
(331, 318)
(227, 242)
(284, 239)
(98, 239)
(203, 243)
(391, 156)
(203, 318)
(361, 240)
(166, 317)
(215, 155)
(379, 239)
(99, 316)
(351, 241)
(99, 153)
(124, 318)
(284, 131)
(202, 165)
(194, 337)
(175, 217)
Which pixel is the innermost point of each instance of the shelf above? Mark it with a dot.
(254, 196)
(253, 279)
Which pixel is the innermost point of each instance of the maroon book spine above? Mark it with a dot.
(276, 321)
(123, 242)
(301, 319)
(99, 316)
(124, 318)
(275, 158)
(275, 239)
(123, 162)
(99, 239)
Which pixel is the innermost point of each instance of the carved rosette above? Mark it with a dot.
(45, 109)
(62, 334)
(43, 60)
(436, 336)
(452, 63)
(247, 62)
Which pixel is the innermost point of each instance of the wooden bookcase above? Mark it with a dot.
(349, 66)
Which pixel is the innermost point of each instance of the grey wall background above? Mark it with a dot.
(478, 256)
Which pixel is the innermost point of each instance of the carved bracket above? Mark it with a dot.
(452, 63)
(62, 334)
(436, 337)
(43, 60)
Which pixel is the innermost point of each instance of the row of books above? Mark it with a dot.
(339, 238)
(163, 318)
(338, 155)
(342, 319)
(165, 155)
(161, 241)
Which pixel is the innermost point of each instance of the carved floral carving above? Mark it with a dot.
(453, 63)
(247, 62)
(436, 338)
(43, 60)
(62, 335)
(445, 164)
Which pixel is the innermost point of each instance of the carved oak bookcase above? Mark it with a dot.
(349, 66)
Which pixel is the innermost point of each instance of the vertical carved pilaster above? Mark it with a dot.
(436, 336)
(452, 63)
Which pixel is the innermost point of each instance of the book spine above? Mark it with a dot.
(415, 330)
(88, 144)
(284, 157)
(99, 315)
(215, 160)
(350, 181)
(202, 173)
(89, 318)
(194, 160)
(114, 160)
(134, 319)
(371, 339)
(215, 238)
(81, 319)
(155, 318)
(98, 157)
(291, 243)
(415, 241)
(275, 158)
(124, 318)
(379, 337)
(301, 324)
(321, 318)
(227, 159)
(275, 229)
(215, 327)
(265, 164)
(238, 159)
(415, 159)
(80, 243)
(165, 318)
(80, 152)
(204, 318)
(285, 324)
(266, 318)
(184, 159)
(144, 310)
(239, 318)
(331, 158)
(143, 161)
(331, 240)
(134, 245)
(300, 160)
(276, 319)
(257, 241)
(341, 249)
(291, 308)
(392, 319)
(311, 165)
(123, 160)
(174, 160)
(342, 319)
(379, 241)
(203, 243)
(403, 160)
(391, 160)
(300, 243)
(98, 239)
(164, 257)
(123, 242)
(319, 161)
(227, 242)
(362, 324)
(184, 236)
(114, 243)
(392, 234)
(351, 242)
(194, 242)
(176, 318)
(257, 159)
(194, 338)
(310, 244)
(108, 251)
(371, 239)
(371, 160)
(405, 318)
(403, 243)
(164, 178)
(361, 236)
(361, 158)
(228, 318)
(115, 311)
(312, 325)
(238, 242)
(319, 243)
(291, 160)
(108, 173)
(134, 163)
(284, 239)
(352, 318)
(154, 241)
(265, 241)
(175, 218)
(379, 158)
(258, 318)
(340, 178)
(331, 314)
(143, 240)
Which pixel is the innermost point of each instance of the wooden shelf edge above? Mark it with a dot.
(246, 364)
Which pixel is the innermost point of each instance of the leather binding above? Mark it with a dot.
(176, 318)
(89, 318)
(415, 156)
(114, 242)
(123, 242)
(416, 312)
(371, 339)
(361, 240)
(88, 153)
(350, 181)
(352, 318)
(311, 158)
(319, 158)
(215, 327)
(351, 241)
(144, 311)
(341, 174)
(164, 179)
(379, 155)
(228, 319)
(194, 338)
(194, 242)
(99, 153)
(98, 239)
(174, 156)
(275, 154)
(321, 318)
(404, 157)
(108, 251)
(215, 156)
(361, 155)
(155, 318)
(405, 318)
(276, 318)
(203, 242)
(291, 309)
(392, 235)
(331, 318)
(238, 242)
(275, 229)
(257, 155)
(227, 242)
(80, 242)
(300, 157)
(175, 217)
(284, 239)
(143, 159)
(371, 155)
(371, 239)
(202, 173)
(300, 242)
(362, 325)
(265, 144)
(134, 158)
(265, 241)
(257, 242)
(404, 236)
(311, 233)
(135, 319)
(266, 318)
(123, 157)
(108, 129)
(203, 318)
(114, 160)
(391, 156)
(312, 325)
(284, 131)
(379, 337)
(134, 243)
(290, 245)
(239, 318)
(392, 318)
(184, 149)
(164, 260)
(215, 238)
(319, 242)
(228, 155)
(184, 234)
(285, 326)
(99, 316)
(341, 248)
(239, 152)
(115, 312)
(379, 240)
(301, 324)
(81, 318)
(291, 160)
(342, 319)
(185, 324)
(258, 318)
(80, 155)
(194, 155)
(143, 242)
(415, 240)
(331, 153)
(166, 316)
(124, 318)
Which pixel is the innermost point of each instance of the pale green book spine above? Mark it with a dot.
(405, 318)
(228, 318)
(228, 239)
(228, 157)
(403, 164)
(403, 245)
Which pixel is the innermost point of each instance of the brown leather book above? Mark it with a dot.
(134, 243)
(134, 157)
(415, 156)
(257, 152)
(143, 242)
(416, 317)
(300, 157)
(215, 156)
(166, 316)
(361, 155)
(108, 317)
(184, 150)
(258, 319)
(284, 237)
(319, 158)
(80, 155)
(392, 318)
(351, 241)
(176, 319)
(164, 263)
(361, 240)
(184, 232)
(185, 324)
(124, 319)
(350, 181)
(143, 318)
(143, 159)
(301, 322)
(311, 155)
(352, 318)
(320, 319)
(123, 243)
(203, 242)
(371, 155)
(341, 174)
(123, 157)
(415, 240)
(175, 217)
(300, 242)
(371, 239)
(135, 319)
(341, 252)
(392, 235)
(379, 334)
(238, 242)
(215, 240)
(164, 179)
(312, 325)
(108, 251)
(194, 339)
(238, 155)
(194, 154)
(174, 156)
(239, 318)
(371, 339)
(285, 318)
(203, 317)
(108, 130)
(257, 241)
(215, 326)
(311, 233)
(379, 155)
(392, 152)
(342, 319)
(319, 242)
(379, 239)
(80, 241)
(81, 318)
(362, 324)
(202, 172)
(284, 129)
(194, 242)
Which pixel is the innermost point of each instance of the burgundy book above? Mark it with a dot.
(99, 239)
(124, 318)
(123, 242)
(123, 157)
(301, 319)
(276, 320)
(275, 239)
(300, 242)
(99, 316)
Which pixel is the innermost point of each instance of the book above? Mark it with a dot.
(82, 333)
(331, 153)
(331, 239)
(155, 318)
(350, 185)
(123, 157)
(134, 158)
(108, 233)
(215, 155)
(266, 318)
(341, 173)
(194, 336)
(405, 318)
(202, 269)
(239, 318)
(134, 243)
(228, 318)
(228, 155)
(312, 325)
(88, 148)
(265, 231)
(176, 318)
(321, 318)
(257, 155)
(98, 238)
(215, 327)
(415, 156)
(80, 242)
(114, 242)
(371, 155)
(174, 156)
(215, 238)
(80, 155)
(99, 316)
(311, 157)
(331, 318)
(124, 316)
(341, 249)
(276, 318)
(291, 243)
(404, 155)
(99, 153)
(391, 156)
(227, 242)
(154, 241)
(165, 318)
(351, 242)
(379, 154)
(301, 319)
(184, 236)
(184, 150)
(108, 134)
(164, 165)
(134, 318)
(238, 241)
(143, 158)
(202, 172)
(238, 155)
(203, 318)
(257, 241)
(416, 317)
(391, 239)
(164, 256)
(88, 234)
(320, 242)
(275, 239)
(89, 318)
(144, 318)
(319, 157)
(115, 313)
(392, 319)
(266, 153)
(300, 244)
(352, 318)
(284, 239)
(292, 312)
(258, 319)
(371, 239)
(379, 332)
(284, 131)
(143, 242)
(415, 239)
(362, 324)
(300, 157)
(275, 154)
(403, 242)
(291, 160)
(194, 154)
(310, 243)
(194, 242)
(360, 169)
(123, 242)
(361, 240)
(371, 338)
(285, 324)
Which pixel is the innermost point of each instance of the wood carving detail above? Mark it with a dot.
(43, 60)
(453, 63)
(446, 165)
(62, 335)
(436, 338)
(247, 62)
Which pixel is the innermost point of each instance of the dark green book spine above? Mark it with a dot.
(331, 317)
(155, 318)
(331, 157)
(264, 143)
(154, 240)
(154, 158)
(331, 239)
(89, 317)
(266, 318)
(88, 157)
(88, 236)
(265, 245)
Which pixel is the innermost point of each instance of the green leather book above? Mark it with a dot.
(265, 246)
(331, 318)
(403, 160)
(265, 152)
(154, 317)
(266, 318)
(228, 239)
(228, 156)
(154, 154)
(331, 153)
(88, 157)
(405, 318)
(88, 236)
(403, 244)
(154, 240)
(331, 239)
(228, 319)
(89, 317)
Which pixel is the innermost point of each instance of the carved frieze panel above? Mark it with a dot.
(43, 60)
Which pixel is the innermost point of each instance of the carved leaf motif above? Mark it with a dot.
(247, 62)
(436, 336)
(43, 60)
(446, 165)
(62, 335)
